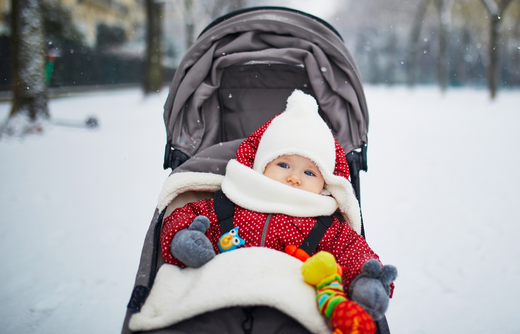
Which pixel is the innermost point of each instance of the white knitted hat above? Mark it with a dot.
(299, 130)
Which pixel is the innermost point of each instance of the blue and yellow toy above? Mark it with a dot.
(230, 241)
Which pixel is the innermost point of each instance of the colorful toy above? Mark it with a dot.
(347, 317)
(230, 240)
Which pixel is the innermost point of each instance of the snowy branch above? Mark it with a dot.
(491, 6)
(494, 9)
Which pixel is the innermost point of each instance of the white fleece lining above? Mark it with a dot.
(254, 191)
(179, 183)
(243, 277)
(343, 192)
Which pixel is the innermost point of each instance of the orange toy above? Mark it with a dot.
(297, 252)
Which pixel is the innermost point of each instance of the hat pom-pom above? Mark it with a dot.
(300, 102)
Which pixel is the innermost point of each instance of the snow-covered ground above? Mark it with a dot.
(438, 202)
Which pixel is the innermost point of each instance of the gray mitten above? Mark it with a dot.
(191, 246)
(371, 289)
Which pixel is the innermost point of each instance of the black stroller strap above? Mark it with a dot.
(224, 209)
(311, 242)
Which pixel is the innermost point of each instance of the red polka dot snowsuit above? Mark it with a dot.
(350, 249)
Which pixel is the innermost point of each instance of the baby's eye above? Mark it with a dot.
(283, 165)
(310, 173)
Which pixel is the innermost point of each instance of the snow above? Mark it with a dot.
(438, 202)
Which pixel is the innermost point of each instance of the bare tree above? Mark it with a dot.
(153, 80)
(205, 9)
(221, 7)
(415, 33)
(29, 100)
(515, 80)
(189, 22)
(444, 9)
(495, 12)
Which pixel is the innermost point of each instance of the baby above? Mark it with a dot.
(286, 174)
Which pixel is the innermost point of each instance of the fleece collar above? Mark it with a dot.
(254, 191)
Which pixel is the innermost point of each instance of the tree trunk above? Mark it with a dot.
(414, 41)
(493, 55)
(29, 100)
(465, 45)
(495, 12)
(189, 23)
(239, 4)
(390, 50)
(444, 9)
(515, 79)
(153, 80)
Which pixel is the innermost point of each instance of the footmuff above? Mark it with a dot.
(244, 277)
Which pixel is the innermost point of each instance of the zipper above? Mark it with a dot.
(264, 233)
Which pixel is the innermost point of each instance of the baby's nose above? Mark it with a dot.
(294, 179)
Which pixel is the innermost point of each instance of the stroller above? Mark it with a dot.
(236, 77)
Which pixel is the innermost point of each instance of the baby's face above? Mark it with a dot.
(296, 171)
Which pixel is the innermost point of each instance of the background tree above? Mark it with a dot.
(444, 11)
(443, 41)
(153, 80)
(515, 47)
(57, 24)
(107, 36)
(205, 11)
(415, 33)
(217, 8)
(444, 15)
(495, 11)
(189, 23)
(29, 99)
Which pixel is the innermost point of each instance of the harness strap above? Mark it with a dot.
(311, 242)
(224, 209)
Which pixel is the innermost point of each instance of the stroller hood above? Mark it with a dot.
(221, 92)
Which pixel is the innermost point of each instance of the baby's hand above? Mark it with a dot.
(371, 289)
(191, 246)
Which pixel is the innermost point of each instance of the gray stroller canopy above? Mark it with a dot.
(241, 70)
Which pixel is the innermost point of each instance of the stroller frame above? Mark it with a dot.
(178, 157)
